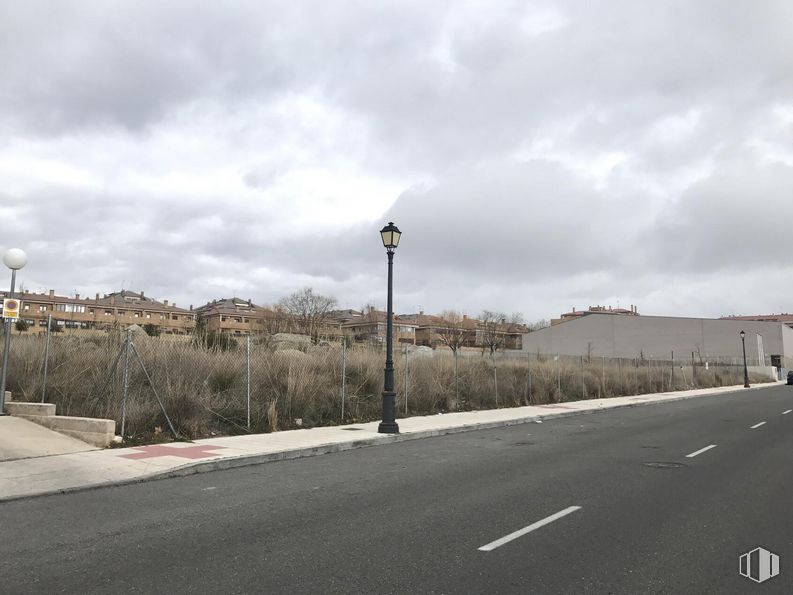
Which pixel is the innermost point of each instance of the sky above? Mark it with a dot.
(537, 156)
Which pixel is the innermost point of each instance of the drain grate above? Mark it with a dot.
(352, 429)
(663, 464)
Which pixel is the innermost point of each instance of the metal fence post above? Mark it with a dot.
(127, 341)
(603, 373)
(406, 379)
(583, 384)
(248, 379)
(495, 377)
(343, 373)
(672, 376)
(559, 374)
(528, 383)
(693, 372)
(46, 358)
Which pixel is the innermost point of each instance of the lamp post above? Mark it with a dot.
(745, 369)
(14, 259)
(390, 235)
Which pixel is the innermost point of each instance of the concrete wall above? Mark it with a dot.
(655, 337)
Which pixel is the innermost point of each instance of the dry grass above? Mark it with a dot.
(205, 391)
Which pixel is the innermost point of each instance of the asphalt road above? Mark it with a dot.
(412, 517)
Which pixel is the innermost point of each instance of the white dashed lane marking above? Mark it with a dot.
(700, 451)
(534, 526)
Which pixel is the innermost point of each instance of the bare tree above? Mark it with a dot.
(454, 330)
(309, 312)
(538, 324)
(274, 320)
(491, 324)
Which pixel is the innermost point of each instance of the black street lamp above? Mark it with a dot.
(745, 368)
(390, 235)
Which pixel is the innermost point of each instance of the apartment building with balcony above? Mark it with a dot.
(240, 317)
(370, 327)
(475, 333)
(119, 309)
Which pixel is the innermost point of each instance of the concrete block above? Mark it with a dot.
(98, 432)
(101, 440)
(20, 408)
(79, 424)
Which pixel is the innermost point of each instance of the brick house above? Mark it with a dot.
(120, 309)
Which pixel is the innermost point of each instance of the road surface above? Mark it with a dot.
(603, 503)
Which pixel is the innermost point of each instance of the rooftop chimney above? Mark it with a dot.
(77, 296)
(165, 302)
(52, 293)
(191, 306)
(97, 297)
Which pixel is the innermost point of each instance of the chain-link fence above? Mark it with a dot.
(250, 385)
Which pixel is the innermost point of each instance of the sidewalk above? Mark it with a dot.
(84, 470)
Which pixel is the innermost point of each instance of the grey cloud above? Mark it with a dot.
(734, 220)
(537, 234)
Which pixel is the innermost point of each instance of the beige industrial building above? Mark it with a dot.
(658, 337)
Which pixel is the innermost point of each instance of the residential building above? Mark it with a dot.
(430, 330)
(118, 309)
(235, 316)
(783, 318)
(371, 328)
(574, 314)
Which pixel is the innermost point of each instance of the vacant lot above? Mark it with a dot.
(205, 391)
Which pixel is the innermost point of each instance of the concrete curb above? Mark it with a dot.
(299, 453)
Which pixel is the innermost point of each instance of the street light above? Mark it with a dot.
(14, 259)
(390, 235)
(745, 369)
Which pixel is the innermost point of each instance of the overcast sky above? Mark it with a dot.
(536, 155)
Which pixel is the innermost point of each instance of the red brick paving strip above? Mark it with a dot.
(160, 450)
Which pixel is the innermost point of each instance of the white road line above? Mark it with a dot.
(700, 451)
(786, 412)
(762, 423)
(547, 520)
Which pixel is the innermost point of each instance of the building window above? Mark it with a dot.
(69, 308)
(42, 308)
(26, 307)
(108, 312)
